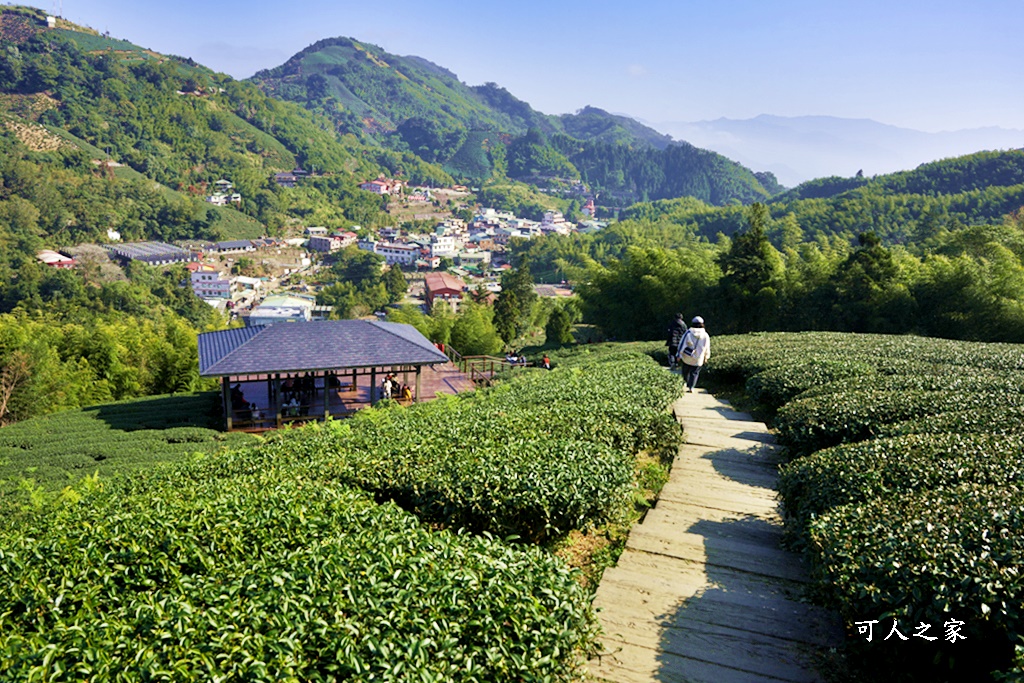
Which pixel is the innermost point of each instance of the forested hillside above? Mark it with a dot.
(948, 263)
(174, 121)
(411, 104)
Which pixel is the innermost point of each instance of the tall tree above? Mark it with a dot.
(751, 269)
(514, 303)
(395, 283)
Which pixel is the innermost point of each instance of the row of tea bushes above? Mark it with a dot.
(929, 557)
(905, 485)
(55, 451)
(536, 456)
(809, 424)
(879, 468)
(275, 576)
(290, 561)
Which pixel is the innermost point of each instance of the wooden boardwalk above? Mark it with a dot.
(703, 592)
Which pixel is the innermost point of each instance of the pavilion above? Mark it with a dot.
(311, 370)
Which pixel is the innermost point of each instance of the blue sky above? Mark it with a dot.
(936, 65)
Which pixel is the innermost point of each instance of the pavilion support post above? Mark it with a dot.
(373, 385)
(225, 383)
(277, 399)
(355, 382)
(327, 394)
(416, 397)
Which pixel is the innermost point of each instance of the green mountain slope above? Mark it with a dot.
(411, 104)
(909, 207)
(946, 176)
(71, 99)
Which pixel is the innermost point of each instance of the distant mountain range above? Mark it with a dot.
(799, 148)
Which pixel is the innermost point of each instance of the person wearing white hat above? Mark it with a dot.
(694, 351)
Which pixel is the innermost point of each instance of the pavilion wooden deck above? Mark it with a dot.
(703, 592)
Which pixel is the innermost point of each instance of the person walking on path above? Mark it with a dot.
(694, 351)
(675, 336)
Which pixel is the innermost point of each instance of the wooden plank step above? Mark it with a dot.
(672, 520)
(627, 663)
(767, 614)
(717, 485)
(720, 498)
(723, 506)
(765, 456)
(686, 572)
(732, 472)
(720, 552)
(725, 438)
(722, 648)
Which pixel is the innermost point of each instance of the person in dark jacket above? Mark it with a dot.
(675, 336)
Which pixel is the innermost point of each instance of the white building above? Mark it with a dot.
(394, 252)
(443, 245)
(209, 283)
(554, 222)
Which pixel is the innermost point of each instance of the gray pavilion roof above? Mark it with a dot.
(308, 346)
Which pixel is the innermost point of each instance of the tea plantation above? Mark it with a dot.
(42, 456)
(905, 488)
(407, 544)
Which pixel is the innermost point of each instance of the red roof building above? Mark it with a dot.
(444, 286)
(55, 260)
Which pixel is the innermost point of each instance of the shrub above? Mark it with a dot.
(779, 384)
(271, 577)
(885, 468)
(927, 557)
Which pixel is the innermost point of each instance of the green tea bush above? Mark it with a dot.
(778, 385)
(276, 577)
(882, 468)
(810, 424)
(923, 524)
(999, 419)
(537, 456)
(926, 557)
(925, 378)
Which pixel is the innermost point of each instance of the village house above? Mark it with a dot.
(554, 222)
(382, 186)
(286, 179)
(426, 262)
(347, 238)
(209, 283)
(324, 244)
(397, 252)
(445, 287)
(443, 245)
(334, 242)
(232, 247)
(55, 259)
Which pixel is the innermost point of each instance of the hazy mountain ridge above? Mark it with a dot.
(799, 148)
